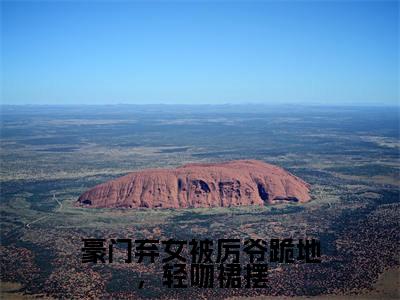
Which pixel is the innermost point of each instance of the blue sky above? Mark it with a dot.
(319, 52)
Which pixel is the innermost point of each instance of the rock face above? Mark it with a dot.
(234, 183)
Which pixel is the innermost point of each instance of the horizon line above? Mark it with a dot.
(207, 104)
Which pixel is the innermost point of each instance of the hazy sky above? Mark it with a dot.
(96, 52)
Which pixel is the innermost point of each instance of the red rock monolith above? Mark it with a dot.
(234, 183)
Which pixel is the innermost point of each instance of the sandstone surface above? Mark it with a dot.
(234, 183)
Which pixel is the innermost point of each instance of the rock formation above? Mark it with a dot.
(234, 183)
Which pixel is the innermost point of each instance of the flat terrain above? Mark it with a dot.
(50, 155)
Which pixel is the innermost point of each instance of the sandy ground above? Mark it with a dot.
(10, 291)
